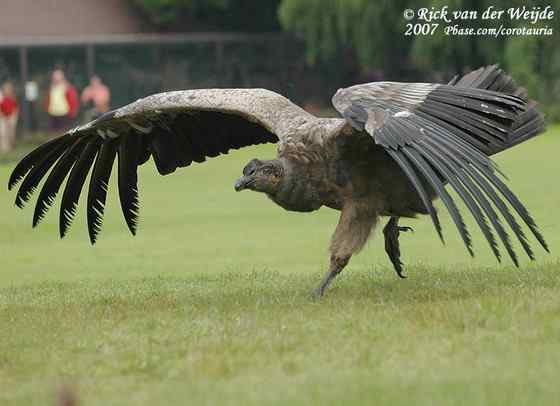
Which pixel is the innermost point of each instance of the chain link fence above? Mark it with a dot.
(138, 68)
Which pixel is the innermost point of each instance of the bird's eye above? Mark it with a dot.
(267, 171)
(249, 171)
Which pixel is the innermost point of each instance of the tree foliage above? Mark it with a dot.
(374, 33)
(371, 31)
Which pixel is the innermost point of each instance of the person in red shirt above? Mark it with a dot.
(62, 102)
(9, 111)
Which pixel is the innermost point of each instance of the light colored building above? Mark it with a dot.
(27, 18)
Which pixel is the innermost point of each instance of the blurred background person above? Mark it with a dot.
(9, 110)
(62, 102)
(96, 97)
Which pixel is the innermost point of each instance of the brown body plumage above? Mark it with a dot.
(395, 150)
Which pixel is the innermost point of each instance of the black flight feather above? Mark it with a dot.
(204, 136)
(496, 128)
(98, 185)
(475, 104)
(145, 149)
(128, 152)
(186, 127)
(452, 129)
(74, 185)
(491, 193)
(456, 147)
(459, 143)
(164, 150)
(212, 139)
(55, 179)
(458, 165)
(33, 158)
(411, 173)
(518, 206)
(433, 178)
(454, 179)
(455, 121)
(39, 170)
(499, 100)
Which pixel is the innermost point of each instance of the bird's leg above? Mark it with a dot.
(337, 265)
(354, 227)
(391, 232)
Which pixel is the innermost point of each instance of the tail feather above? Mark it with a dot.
(528, 124)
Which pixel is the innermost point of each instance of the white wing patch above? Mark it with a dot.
(403, 113)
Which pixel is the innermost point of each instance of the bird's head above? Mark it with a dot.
(261, 176)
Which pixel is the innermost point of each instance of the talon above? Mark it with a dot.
(401, 274)
(392, 231)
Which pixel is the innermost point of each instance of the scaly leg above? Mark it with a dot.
(337, 265)
(391, 232)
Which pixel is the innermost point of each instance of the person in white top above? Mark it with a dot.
(9, 111)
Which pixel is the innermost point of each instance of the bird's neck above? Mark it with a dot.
(295, 192)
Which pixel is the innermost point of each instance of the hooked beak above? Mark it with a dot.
(242, 183)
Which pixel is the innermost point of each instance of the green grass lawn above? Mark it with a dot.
(211, 304)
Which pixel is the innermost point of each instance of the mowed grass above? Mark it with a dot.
(211, 304)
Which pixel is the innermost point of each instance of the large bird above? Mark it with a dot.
(397, 147)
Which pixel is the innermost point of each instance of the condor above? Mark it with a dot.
(397, 147)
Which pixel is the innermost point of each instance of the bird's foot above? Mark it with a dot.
(337, 265)
(392, 231)
(318, 292)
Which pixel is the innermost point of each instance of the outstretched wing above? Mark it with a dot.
(175, 128)
(444, 134)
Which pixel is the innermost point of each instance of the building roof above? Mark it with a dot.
(29, 18)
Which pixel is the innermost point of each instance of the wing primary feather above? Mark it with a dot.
(459, 166)
(481, 121)
(518, 206)
(409, 171)
(508, 101)
(145, 148)
(457, 179)
(432, 177)
(74, 185)
(455, 166)
(33, 158)
(128, 152)
(459, 144)
(457, 132)
(98, 185)
(55, 179)
(164, 150)
(473, 104)
(39, 170)
(192, 125)
(459, 123)
(212, 142)
(183, 144)
(490, 192)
